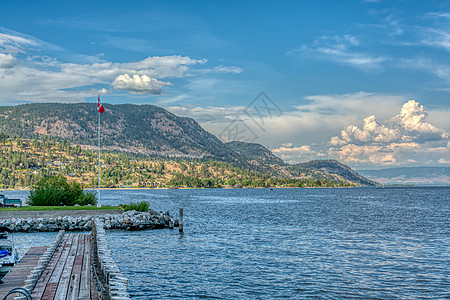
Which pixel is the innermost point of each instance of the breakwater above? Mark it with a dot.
(109, 278)
(130, 220)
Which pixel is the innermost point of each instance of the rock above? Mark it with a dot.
(53, 227)
(152, 212)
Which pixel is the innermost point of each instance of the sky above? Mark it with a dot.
(363, 82)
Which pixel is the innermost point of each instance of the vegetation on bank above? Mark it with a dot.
(142, 206)
(24, 162)
(44, 208)
(56, 191)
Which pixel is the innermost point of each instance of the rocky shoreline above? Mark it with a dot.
(130, 220)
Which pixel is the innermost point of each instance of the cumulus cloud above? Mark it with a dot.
(309, 121)
(408, 125)
(406, 138)
(25, 63)
(394, 132)
(6, 60)
(139, 84)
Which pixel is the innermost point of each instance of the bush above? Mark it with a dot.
(87, 198)
(142, 206)
(55, 191)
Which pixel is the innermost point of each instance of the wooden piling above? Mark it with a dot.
(181, 220)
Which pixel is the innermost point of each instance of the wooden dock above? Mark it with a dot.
(66, 270)
(16, 277)
(69, 274)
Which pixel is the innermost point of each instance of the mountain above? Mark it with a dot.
(145, 129)
(330, 166)
(152, 130)
(256, 152)
(410, 175)
(260, 158)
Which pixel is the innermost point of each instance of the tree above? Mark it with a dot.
(55, 191)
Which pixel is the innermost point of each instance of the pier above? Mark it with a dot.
(69, 274)
(74, 266)
(17, 276)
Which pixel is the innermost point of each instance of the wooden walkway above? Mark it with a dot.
(16, 277)
(69, 273)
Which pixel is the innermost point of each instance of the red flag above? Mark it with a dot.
(100, 107)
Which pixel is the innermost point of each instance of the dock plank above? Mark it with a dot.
(63, 283)
(18, 274)
(74, 285)
(50, 290)
(86, 274)
(43, 280)
(69, 273)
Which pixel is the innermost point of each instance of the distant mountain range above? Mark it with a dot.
(152, 130)
(332, 166)
(410, 175)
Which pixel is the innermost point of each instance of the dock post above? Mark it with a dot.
(181, 220)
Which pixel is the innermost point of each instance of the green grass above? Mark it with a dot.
(137, 206)
(36, 208)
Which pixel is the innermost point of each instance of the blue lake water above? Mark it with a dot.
(366, 243)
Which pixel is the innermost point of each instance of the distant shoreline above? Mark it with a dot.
(241, 188)
(201, 188)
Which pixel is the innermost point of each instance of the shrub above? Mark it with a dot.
(55, 190)
(142, 206)
(87, 198)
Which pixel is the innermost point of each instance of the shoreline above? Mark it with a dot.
(243, 188)
(217, 188)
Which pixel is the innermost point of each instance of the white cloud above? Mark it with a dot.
(292, 154)
(224, 69)
(287, 144)
(405, 138)
(28, 74)
(429, 65)
(7, 60)
(412, 118)
(139, 84)
(396, 132)
(408, 125)
(341, 49)
(209, 115)
(437, 38)
(14, 44)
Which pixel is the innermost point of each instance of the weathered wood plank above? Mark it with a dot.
(69, 272)
(74, 285)
(52, 284)
(86, 271)
(16, 277)
(39, 289)
(63, 283)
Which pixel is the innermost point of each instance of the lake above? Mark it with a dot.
(366, 243)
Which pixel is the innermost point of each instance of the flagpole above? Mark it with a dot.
(98, 191)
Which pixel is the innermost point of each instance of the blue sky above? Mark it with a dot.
(327, 66)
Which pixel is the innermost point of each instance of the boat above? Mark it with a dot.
(8, 253)
(6, 202)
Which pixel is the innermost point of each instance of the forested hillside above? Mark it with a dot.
(23, 162)
(145, 129)
(146, 134)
